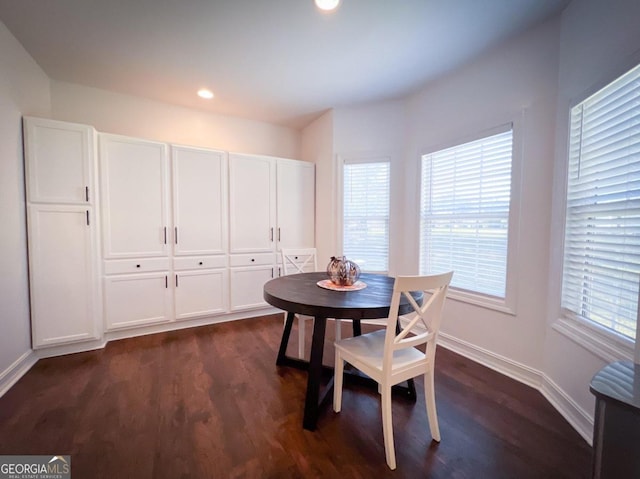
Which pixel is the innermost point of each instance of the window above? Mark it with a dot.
(464, 213)
(601, 267)
(366, 213)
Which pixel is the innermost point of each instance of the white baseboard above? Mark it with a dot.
(501, 364)
(577, 417)
(126, 333)
(73, 348)
(19, 368)
(570, 410)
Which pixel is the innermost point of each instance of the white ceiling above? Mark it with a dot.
(280, 61)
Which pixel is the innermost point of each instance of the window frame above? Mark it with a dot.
(362, 158)
(508, 304)
(599, 340)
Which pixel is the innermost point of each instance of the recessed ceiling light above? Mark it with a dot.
(327, 5)
(206, 94)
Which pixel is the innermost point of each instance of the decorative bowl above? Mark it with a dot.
(342, 271)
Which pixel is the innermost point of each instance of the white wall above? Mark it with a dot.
(376, 127)
(514, 82)
(134, 116)
(317, 147)
(373, 131)
(599, 42)
(24, 89)
(367, 131)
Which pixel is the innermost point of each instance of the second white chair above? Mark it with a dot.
(391, 358)
(302, 260)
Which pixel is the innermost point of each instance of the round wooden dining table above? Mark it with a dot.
(300, 293)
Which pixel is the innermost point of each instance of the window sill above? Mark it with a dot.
(488, 302)
(606, 346)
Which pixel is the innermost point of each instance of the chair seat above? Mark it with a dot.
(369, 348)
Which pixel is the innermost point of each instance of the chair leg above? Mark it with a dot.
(284, 342)
(337, 382)
(301, 337)
(430, 400)
(338, 329)
(387, 427)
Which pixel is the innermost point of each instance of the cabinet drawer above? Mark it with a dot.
(200, 262)
(251, 259)
(135, 265)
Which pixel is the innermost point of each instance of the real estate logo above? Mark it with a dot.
(35, 467)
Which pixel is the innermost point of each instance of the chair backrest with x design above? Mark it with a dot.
(299, 260)
(423, 324)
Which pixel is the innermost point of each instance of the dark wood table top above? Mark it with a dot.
(619, 382)
(299, 293)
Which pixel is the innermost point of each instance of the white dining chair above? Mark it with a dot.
(390, 356)
(302, 260)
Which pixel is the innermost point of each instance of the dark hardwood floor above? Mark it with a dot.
(210, 403)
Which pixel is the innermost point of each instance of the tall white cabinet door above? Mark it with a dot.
(136, 300)
(59, 161)
(134, 188)
(296, 204)
(201, 293)
(252, 203)
(62, 273)
(199, 201)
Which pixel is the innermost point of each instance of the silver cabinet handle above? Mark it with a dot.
(271, 234)
(86, 193)
(278, 233)
(88, 222)
(165, 235)
(176, 234)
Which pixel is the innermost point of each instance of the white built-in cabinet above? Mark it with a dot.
(126, 233)
(271, 206)
(62, 232)
(201, 286)
(199, 201)
(252, 204)
(137, 299)
(60, 162)
(134, 185)
(135, 197)
(295, 200)
(187, 276)
(249, 272)
(200, 233)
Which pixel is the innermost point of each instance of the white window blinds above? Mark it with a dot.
(602, 226)
(464, 213)
(366, 214)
